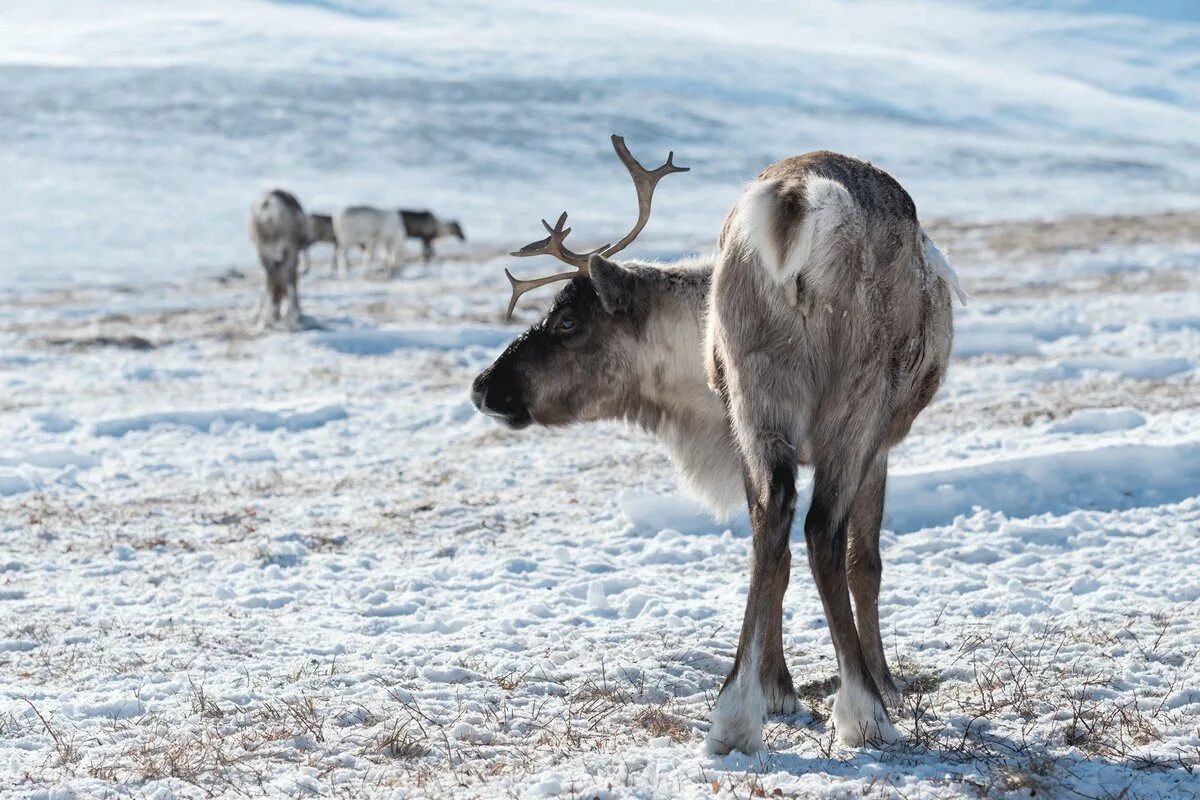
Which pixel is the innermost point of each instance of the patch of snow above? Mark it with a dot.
(218, 422)
(1098, 420)
(385, 342)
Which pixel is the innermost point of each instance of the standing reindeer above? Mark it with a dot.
(370, 229)
(425, 226)
(382, 229)
(825, 318)
(279, 234)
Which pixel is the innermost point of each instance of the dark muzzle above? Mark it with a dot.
(498, 394)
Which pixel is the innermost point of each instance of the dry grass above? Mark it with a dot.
(1004, 713)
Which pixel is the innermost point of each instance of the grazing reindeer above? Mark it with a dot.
(318, 228)
(370, 229)
(425, 226)
(825, 318)
(278, 232)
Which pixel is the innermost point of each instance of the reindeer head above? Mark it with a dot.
(579, 362)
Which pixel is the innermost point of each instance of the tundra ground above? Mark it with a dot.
(300, 564)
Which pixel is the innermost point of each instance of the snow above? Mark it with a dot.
(217, 422)
(385, 342)
(1099, 420)
(303, 554)
(302, 565)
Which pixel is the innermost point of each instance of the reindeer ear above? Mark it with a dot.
(615, 284)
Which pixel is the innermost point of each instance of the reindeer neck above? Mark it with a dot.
(673, 400)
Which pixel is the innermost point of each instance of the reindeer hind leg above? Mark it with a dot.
(864, 570)
(759, 682)
(859, 715)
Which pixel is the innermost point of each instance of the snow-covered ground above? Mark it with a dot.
(300, 564)
(134, 137)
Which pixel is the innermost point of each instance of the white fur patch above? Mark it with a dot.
(737, 718)
(708, 468)
(812, 253)
(831, 210)
(938, 262)
(694, 427)
(859, 717)
(756, 220)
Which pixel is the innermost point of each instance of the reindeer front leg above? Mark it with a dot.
(293, 318)
(262, 313)
(340, 266)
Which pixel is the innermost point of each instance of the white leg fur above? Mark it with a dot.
(340, 265)
(858, 717)
(292, 317)
(262, 312)
(779, 703)
(737, 718)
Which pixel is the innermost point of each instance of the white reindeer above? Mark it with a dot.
(371, 230)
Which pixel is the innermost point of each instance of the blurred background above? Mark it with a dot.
(132, 141)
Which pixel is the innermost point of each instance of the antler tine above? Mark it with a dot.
(520, 287)
(644, 181)
(552, 245)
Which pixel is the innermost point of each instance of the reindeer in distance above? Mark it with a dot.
(384, 231)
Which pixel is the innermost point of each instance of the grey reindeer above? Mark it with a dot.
(825, 323)
(425, 226)
(278, 231)
(318, 228)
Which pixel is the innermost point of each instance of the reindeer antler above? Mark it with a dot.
(644, 181)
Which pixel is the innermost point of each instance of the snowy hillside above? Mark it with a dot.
(133, 139)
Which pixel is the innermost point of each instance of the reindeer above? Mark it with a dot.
(825, 323)
(279, 234)
(318, 228)
(380, 229)
(425, 226)
(370, 229)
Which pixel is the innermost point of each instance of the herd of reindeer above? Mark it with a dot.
(282, 234)
(815, 334)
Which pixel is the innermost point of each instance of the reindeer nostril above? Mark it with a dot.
(477, 397)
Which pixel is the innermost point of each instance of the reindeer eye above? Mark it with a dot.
(565, 324)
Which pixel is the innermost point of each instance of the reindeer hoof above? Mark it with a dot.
(727, 735)
(737, 718)
(782, 702)
(859, 718)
